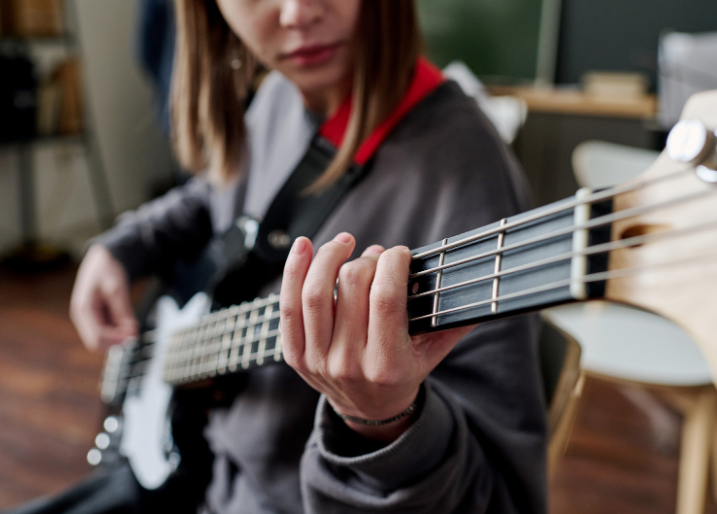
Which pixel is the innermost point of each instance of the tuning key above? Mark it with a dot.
(692, 143)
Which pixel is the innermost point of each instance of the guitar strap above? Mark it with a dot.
(250, 254)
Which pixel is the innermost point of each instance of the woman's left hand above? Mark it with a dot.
(356, 349)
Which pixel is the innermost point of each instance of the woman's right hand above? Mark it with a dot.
(100, 306)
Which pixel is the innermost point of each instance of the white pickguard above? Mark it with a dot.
(146, 415)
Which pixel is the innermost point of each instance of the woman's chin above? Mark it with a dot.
(318, 80)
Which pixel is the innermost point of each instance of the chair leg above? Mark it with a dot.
(713, 464)
(561, 435)
(697, 434)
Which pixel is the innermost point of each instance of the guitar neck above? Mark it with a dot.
(519, 264)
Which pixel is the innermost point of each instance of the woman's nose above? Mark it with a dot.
(300, 13)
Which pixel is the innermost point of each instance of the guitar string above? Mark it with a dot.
(210, 346)
(224, 314)
(236, 328)
(595, 249)
(272, 333)
(236, 311)
(214, 359)
(603, 248)
(593, 223)
(591, 277)
(199, 359)
(633, 241)
(599, 196)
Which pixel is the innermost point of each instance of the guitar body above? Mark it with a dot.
(147, 433)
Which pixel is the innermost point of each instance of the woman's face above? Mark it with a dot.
(309, 41)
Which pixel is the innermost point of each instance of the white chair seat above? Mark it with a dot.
(631, 344)
(600, 164)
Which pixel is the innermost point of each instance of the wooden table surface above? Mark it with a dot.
(575, 102)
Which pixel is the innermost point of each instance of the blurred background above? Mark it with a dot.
(572, 85)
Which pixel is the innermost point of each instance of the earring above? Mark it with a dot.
(236, 63)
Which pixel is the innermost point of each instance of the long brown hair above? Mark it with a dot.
(214, 72)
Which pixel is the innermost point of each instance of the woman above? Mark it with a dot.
(463, 427)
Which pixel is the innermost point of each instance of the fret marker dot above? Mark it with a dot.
(415, 288)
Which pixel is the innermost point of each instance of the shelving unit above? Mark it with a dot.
(31, 254)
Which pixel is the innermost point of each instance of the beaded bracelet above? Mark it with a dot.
(380, 422)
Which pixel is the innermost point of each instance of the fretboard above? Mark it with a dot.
(522, 263)
(226, 341)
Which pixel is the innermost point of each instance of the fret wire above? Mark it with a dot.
(226, 339)
(592, 277)
(198, 347)
(264, 329)
(259, 336)
(223, 359)
(197, 354)
(192, 344)
(182, 360)
(233, 310)
(247, 347)
(439, 278)
(259, 358)
(253, 357)
(237, 337)
(277, 346)
(262, 318)
(219, 343)
(593, 198)
(178, 350)
(188, 352)
(211, 350)
(601, 248)
(206, 343)
(213, 338)
(170, 355)
(496, 269)
(595, 222)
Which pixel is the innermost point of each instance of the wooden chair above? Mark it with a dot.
(628, 345)
(562, 385)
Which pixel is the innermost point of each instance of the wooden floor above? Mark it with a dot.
(622, 455)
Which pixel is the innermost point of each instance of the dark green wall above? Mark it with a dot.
(622, 35)
(494, 37)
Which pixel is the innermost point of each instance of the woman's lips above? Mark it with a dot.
(312, 55)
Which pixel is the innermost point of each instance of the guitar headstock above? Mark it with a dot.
(675, 276)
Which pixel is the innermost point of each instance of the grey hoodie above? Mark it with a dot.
(478, 443)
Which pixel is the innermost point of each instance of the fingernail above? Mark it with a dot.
(343, 237)
(299, 246)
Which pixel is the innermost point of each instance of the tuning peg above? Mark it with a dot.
(692, 143)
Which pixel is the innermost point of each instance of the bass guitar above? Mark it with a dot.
(650, 243)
